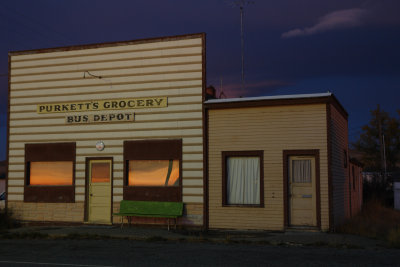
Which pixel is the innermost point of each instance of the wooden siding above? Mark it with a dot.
(271, 129)
(356, 190)
(171, 68)
(340, 172)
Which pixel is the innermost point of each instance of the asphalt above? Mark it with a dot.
(160, 233)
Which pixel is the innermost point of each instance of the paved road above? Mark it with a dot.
(141, 253)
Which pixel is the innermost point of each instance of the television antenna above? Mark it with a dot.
(241, 4)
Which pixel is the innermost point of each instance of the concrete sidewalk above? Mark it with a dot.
(288, 238)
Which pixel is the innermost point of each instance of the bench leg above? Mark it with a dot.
(122, 221)
(168, 224)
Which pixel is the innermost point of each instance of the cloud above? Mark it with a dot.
(347, 18)
(252, 89)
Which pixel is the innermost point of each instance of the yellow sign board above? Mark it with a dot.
(99, 118)
(97, 105)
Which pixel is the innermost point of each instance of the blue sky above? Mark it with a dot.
(349, 47)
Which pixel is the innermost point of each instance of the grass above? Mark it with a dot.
(375, 221)
(7, 220)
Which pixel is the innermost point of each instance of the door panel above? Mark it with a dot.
(302, 193)
(99, 204)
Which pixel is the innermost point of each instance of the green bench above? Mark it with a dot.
(129, 209)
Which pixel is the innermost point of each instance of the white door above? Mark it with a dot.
(302, 196)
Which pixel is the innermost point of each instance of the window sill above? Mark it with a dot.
(244, 205)
(49, 194)
(149, 193)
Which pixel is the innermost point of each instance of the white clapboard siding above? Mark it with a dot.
(108, 74)
(104, 87)
(115, 80)
(111, 48)
(107, 57)
(123, 64)
(165, 67)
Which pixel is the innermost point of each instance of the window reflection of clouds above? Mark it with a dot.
(153, 173)
(51, 173)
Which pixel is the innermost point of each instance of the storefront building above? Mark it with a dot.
(92, 125)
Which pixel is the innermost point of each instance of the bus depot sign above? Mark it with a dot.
(102, 105)
(96, 118)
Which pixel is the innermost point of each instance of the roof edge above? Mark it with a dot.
(300, 99)
(260, 98)
(106, 44)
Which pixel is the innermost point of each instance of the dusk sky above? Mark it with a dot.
(348, 47)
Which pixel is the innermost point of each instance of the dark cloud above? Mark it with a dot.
(344, 38)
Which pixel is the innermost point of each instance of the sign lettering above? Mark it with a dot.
(98, 118)
(98, 105)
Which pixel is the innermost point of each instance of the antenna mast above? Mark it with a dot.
(241, 4)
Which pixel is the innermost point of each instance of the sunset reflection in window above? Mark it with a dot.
(51, 173)
(100, 173)
(153, 173)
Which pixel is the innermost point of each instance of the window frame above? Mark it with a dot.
(152, 150)
(253, 153)
(49, 152)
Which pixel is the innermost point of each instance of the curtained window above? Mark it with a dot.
(243, 178)
(301, 171)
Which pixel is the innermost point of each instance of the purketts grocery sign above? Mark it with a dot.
(102, 105)
(114, 104)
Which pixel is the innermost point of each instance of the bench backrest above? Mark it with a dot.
(151, 207)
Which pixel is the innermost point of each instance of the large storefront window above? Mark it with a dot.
(153, 173)
(153, 170)
(50, 173)
(49, 170)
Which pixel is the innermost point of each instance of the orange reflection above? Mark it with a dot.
(100, 172)
(51, 173)
(153, 173)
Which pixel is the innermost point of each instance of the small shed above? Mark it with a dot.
(277, 162)
(396, 191)
(355, 195)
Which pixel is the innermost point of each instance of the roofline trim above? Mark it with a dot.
(105, 44)
(301, 99)
(260, 98)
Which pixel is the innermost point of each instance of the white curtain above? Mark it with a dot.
(301, 171)
(243, 180)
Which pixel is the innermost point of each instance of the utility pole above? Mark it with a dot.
(381, 139)
(384, 156)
